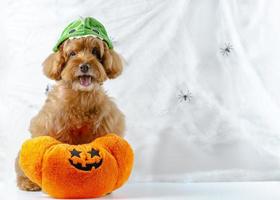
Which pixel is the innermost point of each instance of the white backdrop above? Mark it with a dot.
(229, 130)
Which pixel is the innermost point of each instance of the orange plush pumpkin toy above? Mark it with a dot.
(77, 171)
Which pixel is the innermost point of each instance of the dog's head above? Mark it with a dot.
(83, 62)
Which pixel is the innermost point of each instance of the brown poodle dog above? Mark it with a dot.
(77, 109)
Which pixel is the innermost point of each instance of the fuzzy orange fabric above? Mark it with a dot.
(77, 171)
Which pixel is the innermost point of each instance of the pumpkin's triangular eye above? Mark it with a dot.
(74, 152)
(93, 152)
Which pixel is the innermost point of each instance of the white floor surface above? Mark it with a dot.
(189, 191)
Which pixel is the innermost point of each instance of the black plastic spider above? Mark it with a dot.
(226, 51)
(185, 96)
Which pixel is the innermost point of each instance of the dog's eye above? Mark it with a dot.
(96, 53)
(72, 53)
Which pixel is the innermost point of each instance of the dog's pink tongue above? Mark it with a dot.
(85, 80)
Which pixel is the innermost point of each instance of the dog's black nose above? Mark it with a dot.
(84, 68)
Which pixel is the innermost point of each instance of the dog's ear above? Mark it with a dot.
(53, 65)
(112, 63)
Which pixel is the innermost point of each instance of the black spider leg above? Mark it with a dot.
(222, 50)
(228, 45)
(181, 96)
(188, 96)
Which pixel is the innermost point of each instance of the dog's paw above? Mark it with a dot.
(25, 184)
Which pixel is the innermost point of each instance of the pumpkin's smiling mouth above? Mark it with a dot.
(93, 152)
(88, 166)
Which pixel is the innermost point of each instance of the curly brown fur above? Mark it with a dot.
(77, 109)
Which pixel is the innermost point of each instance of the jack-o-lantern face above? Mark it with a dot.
(85, 161)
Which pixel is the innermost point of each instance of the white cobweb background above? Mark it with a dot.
(230, 129)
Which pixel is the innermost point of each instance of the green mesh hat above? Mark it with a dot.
(84, 27)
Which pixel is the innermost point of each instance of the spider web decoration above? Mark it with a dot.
(227, 49)
(185, 96)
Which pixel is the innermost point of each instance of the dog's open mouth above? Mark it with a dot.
(85, 80)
